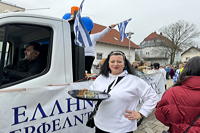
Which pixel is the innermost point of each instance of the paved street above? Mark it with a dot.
(151, 124)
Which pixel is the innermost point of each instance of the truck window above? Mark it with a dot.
(24, 52)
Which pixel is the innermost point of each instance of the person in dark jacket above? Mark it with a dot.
(172, 72)
(179, 108)
(32, 64)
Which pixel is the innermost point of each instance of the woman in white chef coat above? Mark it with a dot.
(118, 113)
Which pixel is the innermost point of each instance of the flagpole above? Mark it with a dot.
(129, 45)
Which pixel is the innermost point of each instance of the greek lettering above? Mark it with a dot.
(39, 107)
(69, 103)
(56, 125)
(67, 121)
(32, 129)
(44, 128)
(56, 105)
(17, 115)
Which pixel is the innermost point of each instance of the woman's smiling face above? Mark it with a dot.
(116, 64)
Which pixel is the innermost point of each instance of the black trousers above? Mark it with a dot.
(97, 130)
(88, 63)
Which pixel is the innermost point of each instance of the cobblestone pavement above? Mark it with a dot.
(151, 124)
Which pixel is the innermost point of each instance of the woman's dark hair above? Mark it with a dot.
(192, 68)
(105, 70)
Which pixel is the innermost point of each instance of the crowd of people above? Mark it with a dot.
(170, 71)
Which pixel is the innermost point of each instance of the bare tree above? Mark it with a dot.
(181, 35)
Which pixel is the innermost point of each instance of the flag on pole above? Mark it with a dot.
(82, 37)
(122, 28)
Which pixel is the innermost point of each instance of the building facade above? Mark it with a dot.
(155, 49)
(189, 53)
(102, 51)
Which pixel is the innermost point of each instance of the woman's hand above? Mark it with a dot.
(132, 115)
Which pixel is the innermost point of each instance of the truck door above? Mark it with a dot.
(14, 39)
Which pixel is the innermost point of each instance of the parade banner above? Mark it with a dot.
(157, 82)
(44, 110)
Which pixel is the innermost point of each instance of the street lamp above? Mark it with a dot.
(129, 34)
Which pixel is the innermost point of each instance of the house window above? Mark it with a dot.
(99, 56)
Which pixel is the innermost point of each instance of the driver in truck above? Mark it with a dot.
(30, 65)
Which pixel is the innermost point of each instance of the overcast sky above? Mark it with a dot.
(147, 15)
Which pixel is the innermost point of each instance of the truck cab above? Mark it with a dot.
(39, 103)
(64, 62)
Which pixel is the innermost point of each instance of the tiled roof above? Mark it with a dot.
(152, 36)
(113, 37)
(155, 36)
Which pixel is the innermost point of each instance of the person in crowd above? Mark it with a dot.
(172, 73)
(179, 108)
(177, 73)
(167, 69)
(160, 73)
(118, 113)
(162, 70)
(90, 52)
(32, 64)
(155, 68)
(141, 66)
(135, 65)
(164, 73)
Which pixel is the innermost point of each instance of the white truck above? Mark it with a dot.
(40, 103)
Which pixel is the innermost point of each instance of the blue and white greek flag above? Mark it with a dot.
(122, 28)
(82, 37)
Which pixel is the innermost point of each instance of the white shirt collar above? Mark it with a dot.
(124, 73)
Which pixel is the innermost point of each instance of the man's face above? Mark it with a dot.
(30, 53)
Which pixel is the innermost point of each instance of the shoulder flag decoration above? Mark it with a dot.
(122, 28)
(82, 37)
